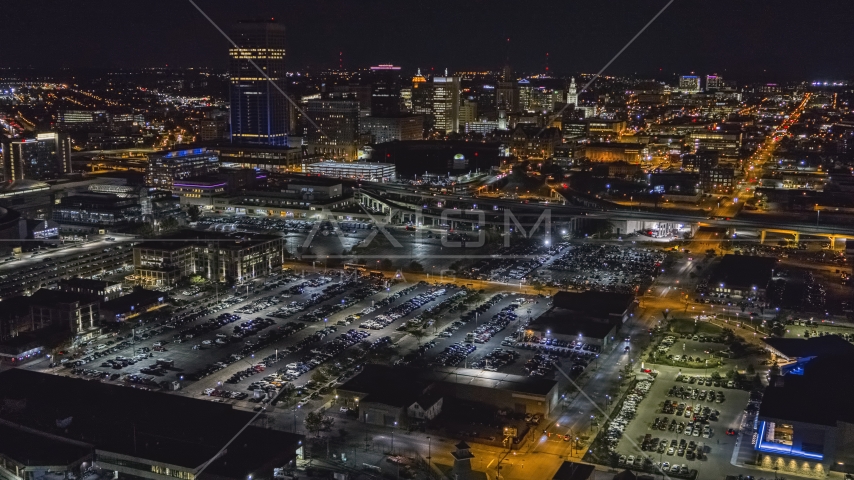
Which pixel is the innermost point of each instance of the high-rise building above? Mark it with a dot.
(338, 133)
(446, 103)
(714, 82)
(572, 93)
(422, 95)
(259, 110)
(45, 157)
(385, 90)
(689, 83)
(507, 92)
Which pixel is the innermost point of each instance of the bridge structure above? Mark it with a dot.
(399, 204)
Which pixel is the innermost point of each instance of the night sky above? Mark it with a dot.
(740, 39)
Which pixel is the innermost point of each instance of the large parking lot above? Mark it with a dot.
(684, 419)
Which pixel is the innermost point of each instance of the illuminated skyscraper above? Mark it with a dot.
(259, 110)
(572, 93)
(385, 90)
(446, 103)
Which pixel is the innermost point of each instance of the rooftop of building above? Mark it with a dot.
(490, 380)
(140, 297)
(32, 449)
(350, 165)
(593, 303)
(48, 298)
(560, 321)
(574, 471)
(811, 347)
(184, 238)
(744, 271)
(374, 380)
(164, 428)
(87, 283)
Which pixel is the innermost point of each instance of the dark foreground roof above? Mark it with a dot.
(743, 271)
(595, 304)
(379, 380)
(811, 347)
(157, 426)
(36, 450)
(574, 471)
(561, 321)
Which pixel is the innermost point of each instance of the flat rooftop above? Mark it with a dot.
(491, 380)
(160, 427)
(561, 321)
(195, 237)
(37, 450)
(811, 347)
(377, 379)
(593, 303)
(743, 271)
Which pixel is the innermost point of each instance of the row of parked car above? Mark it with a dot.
(454, 354)
(618, 423)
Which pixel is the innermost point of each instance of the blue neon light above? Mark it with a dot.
(783, 450)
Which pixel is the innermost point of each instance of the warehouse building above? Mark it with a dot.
(130, 432)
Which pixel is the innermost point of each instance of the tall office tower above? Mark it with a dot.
(422, 95)
(446, 103)
(524, 94)
(339, 124)
(507, 93)
(714, 82)
(45, 157)
(572, 93)
(385, 90)
(689, 83)
(259, 111)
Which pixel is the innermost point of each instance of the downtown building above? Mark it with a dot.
(259, 109)
(446, 103)
(335, 131)
(46, 157)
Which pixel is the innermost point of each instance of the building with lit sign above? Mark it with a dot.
(165, 168)
(259, 109)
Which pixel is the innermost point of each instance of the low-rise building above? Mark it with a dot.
(367, 171)
(216, 257)
(741, 276)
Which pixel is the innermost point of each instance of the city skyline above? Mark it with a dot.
(468, 36)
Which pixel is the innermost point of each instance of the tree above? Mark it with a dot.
(197, 279)
(751, 369)
(716, 376)
(194, 212)
(386, 264)
(418, 332)
(168, 224)
(775, 370)
(313, 422)
(319, 377)
(537, 286)
(665, 313)
(415, 267)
